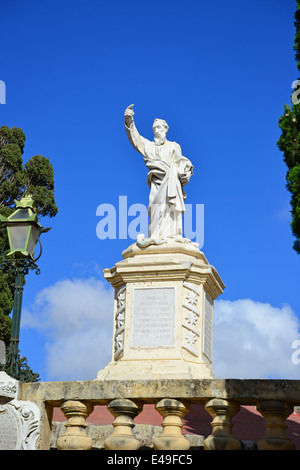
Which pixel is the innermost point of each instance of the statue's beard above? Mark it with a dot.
(159, 139)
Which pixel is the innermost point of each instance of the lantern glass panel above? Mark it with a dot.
(33, 239)
(18, 236)
(20, 214)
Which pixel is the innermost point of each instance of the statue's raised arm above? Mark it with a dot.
(135, 138)
(168, 172)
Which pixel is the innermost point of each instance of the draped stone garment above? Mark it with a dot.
(168, 172)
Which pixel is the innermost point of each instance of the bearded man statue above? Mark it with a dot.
(169, 171)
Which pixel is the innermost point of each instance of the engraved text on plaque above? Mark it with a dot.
(153, 317)
(8, 430)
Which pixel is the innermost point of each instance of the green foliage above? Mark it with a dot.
(289, 144)
(297, 35)
(36, 176)
(39, 178)
(21, 371)
(11, 164)
(6, 305)
(26, 374)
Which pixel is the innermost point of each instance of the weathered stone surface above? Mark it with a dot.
(245, 392)
(145, 433)
(275, 413)
(153, 317)
(9, 429)
(19, 425)
(221, 438)
(122, 437)
(171, 437)
(198, 391)
(8, 386)
(163, 313)
(19, 419)
(75, 436)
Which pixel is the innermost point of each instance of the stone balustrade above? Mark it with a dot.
(222, 399)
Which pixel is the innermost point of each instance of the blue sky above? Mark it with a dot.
(219, 73)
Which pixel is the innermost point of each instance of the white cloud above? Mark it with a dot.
(254, 340)
(251, 339)
(76, 318)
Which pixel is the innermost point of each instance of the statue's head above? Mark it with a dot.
(160, 129)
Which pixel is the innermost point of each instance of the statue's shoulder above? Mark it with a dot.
(175, 146)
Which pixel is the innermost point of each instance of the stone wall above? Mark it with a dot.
(274, 400)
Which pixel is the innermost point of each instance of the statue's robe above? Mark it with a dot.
(168, 172)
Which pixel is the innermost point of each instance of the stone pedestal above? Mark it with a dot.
(163, 313)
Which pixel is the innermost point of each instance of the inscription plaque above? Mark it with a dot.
(8, 430)
(153, 317)
(19, 424)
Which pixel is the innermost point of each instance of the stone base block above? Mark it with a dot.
(163, 313)
(155, 370)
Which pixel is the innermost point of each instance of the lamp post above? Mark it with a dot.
(23, 232)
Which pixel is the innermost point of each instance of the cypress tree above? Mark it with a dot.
(289, 141)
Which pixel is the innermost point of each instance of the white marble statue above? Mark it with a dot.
(168, 172)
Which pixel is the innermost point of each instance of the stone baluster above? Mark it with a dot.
(171, 437)
(75, 436)
(122, 438)
(275, 413)
(221, 438)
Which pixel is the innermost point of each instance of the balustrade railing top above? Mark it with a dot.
(274, 399)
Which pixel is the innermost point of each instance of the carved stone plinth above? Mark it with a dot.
(171, 437)
(163, 313)
(122, 437)
(221, 438)
(75, 436)
(275, 413)
(19, 419)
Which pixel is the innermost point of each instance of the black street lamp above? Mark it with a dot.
(23, 231)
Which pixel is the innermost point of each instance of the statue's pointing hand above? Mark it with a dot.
(129, 115)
